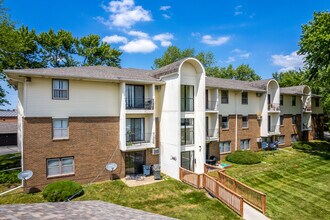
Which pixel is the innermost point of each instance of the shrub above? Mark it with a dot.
(312, 146)
(61, 190)
(9, 177)
(244, 157)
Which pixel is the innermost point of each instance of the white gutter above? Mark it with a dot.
(235, 122)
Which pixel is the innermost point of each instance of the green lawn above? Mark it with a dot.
(170, 197)
(297, 183)
(9, 179)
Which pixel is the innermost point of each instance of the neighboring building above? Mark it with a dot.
(73, 121)
(8, 127)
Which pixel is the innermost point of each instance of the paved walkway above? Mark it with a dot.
(8, 150)
(74, 210)
(250, 213)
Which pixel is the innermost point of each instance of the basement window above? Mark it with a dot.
(245, 144)
(60, 166)
(224, 147)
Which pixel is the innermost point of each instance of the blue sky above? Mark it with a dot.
(263, 34)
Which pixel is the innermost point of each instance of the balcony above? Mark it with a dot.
(307, 109)
(140, 104)
(274, 108)
(274, 130)
(212, 135)
(306, 127)
(139, 140)
(211, 106)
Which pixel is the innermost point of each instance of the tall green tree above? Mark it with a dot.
(290, 78)
(315, 46)
(243, 72)
(95, 52)
(171, 55)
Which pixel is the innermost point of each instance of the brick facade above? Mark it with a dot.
(317, 127)
(288, 129)
(92, 141)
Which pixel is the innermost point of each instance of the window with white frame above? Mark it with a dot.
(60, 166)
(245, 144)
(224, 147)
(60, 128)
(224, 97)
(245, 98)
(294, 137)
(60, 89)
(224, 122)
(245, 121)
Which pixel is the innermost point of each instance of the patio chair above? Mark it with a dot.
(213, 160)
(264, 146)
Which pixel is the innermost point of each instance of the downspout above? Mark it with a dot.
(235, 121)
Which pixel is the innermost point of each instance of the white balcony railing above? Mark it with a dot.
(274, 107)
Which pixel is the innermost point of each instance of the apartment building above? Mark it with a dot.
(73, 121)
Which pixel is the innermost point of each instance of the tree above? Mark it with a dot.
(290, 78)
(171, 55)
(94, 52)
(243, 72)
(315, 46)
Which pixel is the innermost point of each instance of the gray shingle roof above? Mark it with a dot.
(8, 127)
(261, 84)
(8, 113)
(171, 68)
(293, 90)
(90, 72)
(230, 84)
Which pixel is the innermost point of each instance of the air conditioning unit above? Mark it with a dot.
(259, 140)
(155, 151)
(258, 94)
(157, 87)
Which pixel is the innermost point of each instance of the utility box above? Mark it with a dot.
(146, 170)
(156, 171)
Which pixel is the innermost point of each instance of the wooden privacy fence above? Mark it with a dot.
(227, 196)
(251, 196)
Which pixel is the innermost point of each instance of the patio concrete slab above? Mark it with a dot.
(144, 181)
(74, 210)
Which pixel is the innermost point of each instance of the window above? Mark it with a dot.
(60, 128)
(281, 99)
(187, 98)
(281, 119)
(245, 144)
(317, 102)
(293, 100)
(280, 139)
(224, 124)
(60, 89)
(135, 130)
(187, 131)
(60, 166)
(245, 122)
(224, 147)
(135, 97)
(224, 97)
(294, 137)
(294, 119)
(245, 98)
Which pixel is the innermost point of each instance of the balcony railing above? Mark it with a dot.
(140, 103)
(274, 107)
(187, 104)
(211, 105)
(306, 127)
(274, 129)
(212, 134)
(139, 138)
(307, 108)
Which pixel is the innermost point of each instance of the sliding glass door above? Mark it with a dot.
(187, 160)
(134, 96)
(134, 162)
(135, 130)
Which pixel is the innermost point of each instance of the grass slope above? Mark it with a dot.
(170, 197)
(297, 183)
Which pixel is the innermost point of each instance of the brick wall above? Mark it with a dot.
(288, 128)
(151, 159)
(317, 126)
(92, 141)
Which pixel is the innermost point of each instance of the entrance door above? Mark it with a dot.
(187, 160)
(134, 161)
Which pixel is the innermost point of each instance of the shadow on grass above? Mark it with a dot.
(316, 148)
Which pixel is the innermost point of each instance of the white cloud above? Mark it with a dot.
(241, 53)
(245, 55)
(138, 34)
(124, 13)
(165, 39)
(166, 16)
(238, 10)
(292, 61)
(195, 34)
(228, 60)
(114, 39)
(164, 8)
(139, 46)
(208, 39)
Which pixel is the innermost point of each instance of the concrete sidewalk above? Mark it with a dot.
(250, 213)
